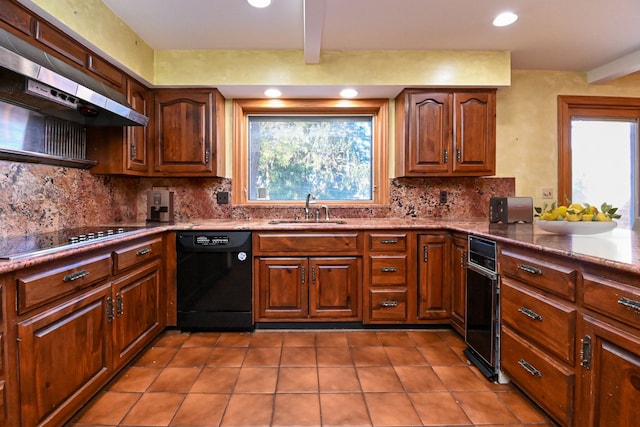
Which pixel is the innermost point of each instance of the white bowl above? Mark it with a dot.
(578, 227)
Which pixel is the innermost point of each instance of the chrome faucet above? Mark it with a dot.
(308, 202)
(326, 212)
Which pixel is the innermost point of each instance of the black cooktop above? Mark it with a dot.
(38, 244)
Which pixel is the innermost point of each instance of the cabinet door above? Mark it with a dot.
(64, 358)
(137, 156)
(429, 132)
(608, 381)
(474, 117)
(184, 141)
(333, 290)
(137, 314)
(434, 290)
(458, 282)
(282, 288)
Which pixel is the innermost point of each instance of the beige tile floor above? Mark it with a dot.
(307, 378)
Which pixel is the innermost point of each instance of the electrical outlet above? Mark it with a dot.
(222, 197)
(443, 197)
(547, 193)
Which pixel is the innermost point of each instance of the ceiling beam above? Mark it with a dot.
(620, 67)
(313, 11)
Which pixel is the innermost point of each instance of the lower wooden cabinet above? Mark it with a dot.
(388, 292)
(316, 288)
(137, 312)
(64, 357)
(549, 382)
(434, 290)
(459, 246)
(70, 344)
(609, 375)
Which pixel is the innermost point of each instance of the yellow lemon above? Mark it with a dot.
(546, 216)
(562, 211)
(575, 207)
(573, 217)
(587, 217)
(601, 216)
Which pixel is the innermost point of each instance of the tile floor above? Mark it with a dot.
(307, 378)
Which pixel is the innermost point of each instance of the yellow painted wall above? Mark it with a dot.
(287, 67)
(527, 131)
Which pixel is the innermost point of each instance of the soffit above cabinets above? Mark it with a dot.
(571, 35)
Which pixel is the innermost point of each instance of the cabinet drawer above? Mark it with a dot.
(107, 72)
(388, 270)
(41, 286)
(537, 271)
(387, 242)
(388, 304)
(307, 243)
(136, 253)
(539, 318)
(612, 298)
(546, 381)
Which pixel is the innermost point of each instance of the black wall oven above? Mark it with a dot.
(214, 276)
(482, 327)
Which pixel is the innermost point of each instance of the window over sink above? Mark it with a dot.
(333, 149)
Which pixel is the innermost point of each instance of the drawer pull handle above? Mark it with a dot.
(629, 303)
(389, 241)
(143, 251)
(530, 313)
(75, 276)
(529, 368)
(530, 269)
(389, 269)
(389, 304)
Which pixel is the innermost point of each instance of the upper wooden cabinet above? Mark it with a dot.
(445, 133)
(188, 132)
(123, 150)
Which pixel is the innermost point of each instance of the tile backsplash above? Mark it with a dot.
(40, 198)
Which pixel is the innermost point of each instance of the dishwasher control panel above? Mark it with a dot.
(206, 240)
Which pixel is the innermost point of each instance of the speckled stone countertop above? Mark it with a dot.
(618, 249)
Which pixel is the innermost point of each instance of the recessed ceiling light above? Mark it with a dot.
(504, 19)
(348, 93)
(272, 93)
(259, 3)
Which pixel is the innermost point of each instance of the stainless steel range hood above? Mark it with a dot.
(35, 80)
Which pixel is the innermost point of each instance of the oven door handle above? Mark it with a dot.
(483, 272)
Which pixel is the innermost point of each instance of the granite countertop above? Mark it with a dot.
(617, 249)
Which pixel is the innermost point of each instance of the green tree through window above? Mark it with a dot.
(328, 156)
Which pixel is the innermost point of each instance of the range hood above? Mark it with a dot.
(35, 80)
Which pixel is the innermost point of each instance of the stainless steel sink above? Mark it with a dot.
(306, 221)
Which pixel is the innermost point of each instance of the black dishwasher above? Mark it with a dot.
(214, 278)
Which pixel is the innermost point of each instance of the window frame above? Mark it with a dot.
(570, 107)
(377, 108)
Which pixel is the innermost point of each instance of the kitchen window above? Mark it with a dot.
(597, 153)
(333, 149)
